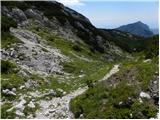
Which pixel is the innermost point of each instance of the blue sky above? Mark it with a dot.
(113, 13)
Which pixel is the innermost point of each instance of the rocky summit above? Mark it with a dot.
(55, 64)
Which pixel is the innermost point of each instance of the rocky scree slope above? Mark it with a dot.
(33, 55)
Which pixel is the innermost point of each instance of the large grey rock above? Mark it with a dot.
(31, 13)
(40, 18)
(50, 93)
(78, 24)
(18, 106)
(8, 92)
(31, 105)
(31, 84)
(18, 14)
(5, 11)
(144, 95)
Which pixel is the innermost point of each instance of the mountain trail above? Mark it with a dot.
(58, 108)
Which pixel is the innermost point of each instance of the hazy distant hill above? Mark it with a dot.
(137, 28)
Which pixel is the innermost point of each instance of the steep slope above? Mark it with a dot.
(124, 40)
(133, 43)
(64, 21)
(137, 28)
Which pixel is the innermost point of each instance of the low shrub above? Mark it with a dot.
(77, 48)
(7, 67)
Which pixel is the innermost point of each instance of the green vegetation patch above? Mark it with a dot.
(103, 102)
(5, 114)
(9, 78)
(7, 23)
(28, 110)
(8, 67)
(152, 47)
(146, 72)
(6, 38)
(118, 97)
(91, 71)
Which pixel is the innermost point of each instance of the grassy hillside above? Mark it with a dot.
(118, 97)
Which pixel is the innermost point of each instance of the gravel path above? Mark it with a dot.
(58, 108)
(114, 70)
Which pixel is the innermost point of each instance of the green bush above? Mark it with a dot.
(7, 67)
(77, 48)
(89, 83)
(69, 67)
(6, 38)
(146, 110)
(6, 23)
(146, 73)
(152, 47)
(5, 114)
(10, 81)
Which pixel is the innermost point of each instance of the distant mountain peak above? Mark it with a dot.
(137, 28)
(139, 22)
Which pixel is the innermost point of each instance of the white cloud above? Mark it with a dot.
(71, 2)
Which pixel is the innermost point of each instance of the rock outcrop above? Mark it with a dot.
(34, 56)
